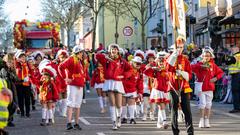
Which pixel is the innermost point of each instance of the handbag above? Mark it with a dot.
(198, 86)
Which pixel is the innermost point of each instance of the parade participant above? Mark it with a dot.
(234, 70)
(48, 94)
(38, 57)
(148, 84)
(159, 93)
(61, 56)
(23, 86)
(133, 86)
(115, 69)
(138, 107)
(97, 82)
(75, 79)
(86, 63)
(179, 71)
(207, 73)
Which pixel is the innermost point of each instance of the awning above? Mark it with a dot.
(234, 19)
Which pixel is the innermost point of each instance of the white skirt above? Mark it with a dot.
(158, 96)
(98, 85)
(112, 85)
(131, 95)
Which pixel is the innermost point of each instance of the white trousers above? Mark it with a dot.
(205, 99)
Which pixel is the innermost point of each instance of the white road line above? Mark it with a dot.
(84, 121)
(100, 133)
(221, 112)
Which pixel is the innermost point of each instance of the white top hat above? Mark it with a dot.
(137, 59)
(43, 63)
(50, 70)
(150, 53)
(38, 53)
(139, 52)
(60, 52)
(208, 49)
(77, 49)
(19, 53)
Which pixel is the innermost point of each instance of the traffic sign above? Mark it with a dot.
(127, 31)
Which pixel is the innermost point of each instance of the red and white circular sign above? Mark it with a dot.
(127, 31)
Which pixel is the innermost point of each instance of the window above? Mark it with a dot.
(39, 43)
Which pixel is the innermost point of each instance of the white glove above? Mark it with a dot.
(184, 74)
(26, 79)
(173, 58)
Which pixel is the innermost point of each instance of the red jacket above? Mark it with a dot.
(74, 69)
(160, 79)
(35, 77)
(48, 91)
(184, 64)
(59, 81)
(98, 76)
(206, 74)
(134, 82)
(113, 69)
(22, 72)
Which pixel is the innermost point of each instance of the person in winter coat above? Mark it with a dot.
(133, 86)
(159, 93)
(208, 73)
(73, 72)
(115, 70)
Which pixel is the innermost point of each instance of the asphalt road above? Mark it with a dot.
(94, 123)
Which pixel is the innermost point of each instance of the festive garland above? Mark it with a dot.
(19, 32)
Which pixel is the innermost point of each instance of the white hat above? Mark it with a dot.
(19, 53)
(139, 53)
(161, 54)
(137, 59)
(30, 58)
(43, 63)
(150, 53)
(60, 52)
(77, 49)
(208, 49)
(113, 45)
(38, 53)
(50, 70)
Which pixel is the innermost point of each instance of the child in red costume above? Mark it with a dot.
(160, 87)
(97, 82)
(48, 94)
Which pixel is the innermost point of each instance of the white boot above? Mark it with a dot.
(152, 118)
(180, 116)
(206, 123)
(201, 123)
(160, 119)
(119, 114)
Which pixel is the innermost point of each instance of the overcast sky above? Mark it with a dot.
(16, 9)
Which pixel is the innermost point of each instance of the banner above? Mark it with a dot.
(178, 17)
(203, 3)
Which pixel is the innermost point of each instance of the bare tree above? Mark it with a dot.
(95, 6)
(65, 12)
(118, 9)
(139, 11)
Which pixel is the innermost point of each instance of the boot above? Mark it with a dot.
(201, 123)
(206, 123)
(114, 126)
(132, 121)
(43, 123)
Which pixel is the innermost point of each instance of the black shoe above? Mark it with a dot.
(33, 108)
(43, 123)
(50, 122)
(124, 120)
(69, 126)
(132, 121)
(234, 111)
(10, 124)
(77, 126)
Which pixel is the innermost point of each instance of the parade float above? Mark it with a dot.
(32, 36)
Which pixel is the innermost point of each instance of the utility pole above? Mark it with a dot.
(166, 24)
(208, 23)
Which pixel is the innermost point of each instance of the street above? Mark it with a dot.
(94, 123)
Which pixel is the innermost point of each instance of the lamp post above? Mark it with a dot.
(208, 23)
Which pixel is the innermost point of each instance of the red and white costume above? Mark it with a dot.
(159, 93)
(98, 79)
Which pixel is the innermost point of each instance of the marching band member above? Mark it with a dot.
(159, 93)
(73, 72)
(48, 94)
(115, 69)
(133, 86)
(208, 73)
(148, 85)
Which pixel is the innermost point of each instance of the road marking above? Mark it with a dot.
(221, 112)
(100, 133)
(84, 121)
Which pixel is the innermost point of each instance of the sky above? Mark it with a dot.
(16, 10)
